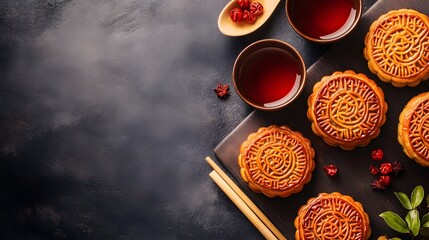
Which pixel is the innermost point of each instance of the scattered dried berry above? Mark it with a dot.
(236, 15)
(246, 11)
(256, 8)
(243, 3)
(385, 180)
(377, 154)
(331, 169)
(249, 16)
(376, 185)
(397, 167)
(373, 170)
(222, 90)
(386, 168)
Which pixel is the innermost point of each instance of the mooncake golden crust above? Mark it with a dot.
(276, 161)
(332, 216)
(413, 129)
(397, 47)
(346, 109)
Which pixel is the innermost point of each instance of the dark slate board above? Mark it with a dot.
(353, 178)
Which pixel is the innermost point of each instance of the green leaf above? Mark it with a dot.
(425, 219)
(413, 221)
(405, 201)
(395, 222)
(395, 238)
(417, 196)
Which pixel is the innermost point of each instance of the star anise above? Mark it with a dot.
(377, 185)
(222, 90)
(397, 167)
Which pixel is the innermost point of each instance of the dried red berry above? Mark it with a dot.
(331, 170)
(397, 167)
(236, 15)
(377, 154)
(243, 3)
(373, 170)
(256, 8)
(385, 180)
(249, 16)
(386, 168)
(376, 185)
(222, 90)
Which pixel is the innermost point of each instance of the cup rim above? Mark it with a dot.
(331, 40)
(259, 45)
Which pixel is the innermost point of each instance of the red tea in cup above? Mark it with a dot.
(269, 74)
(323, 19)
(270, 77)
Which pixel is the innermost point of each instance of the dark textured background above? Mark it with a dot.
(107, 114)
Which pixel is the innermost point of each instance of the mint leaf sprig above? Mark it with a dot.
(412, 224)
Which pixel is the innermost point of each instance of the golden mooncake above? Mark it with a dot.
(413, 129)
(276, 161)
(346, 109)
(397, 47)
(332, 216)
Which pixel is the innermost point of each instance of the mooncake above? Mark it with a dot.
(413, 129)
(397, 47)
(276, 161)
(346, 109)
(332, 216)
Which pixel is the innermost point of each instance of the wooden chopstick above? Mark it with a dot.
(246, 200)
(265, 231)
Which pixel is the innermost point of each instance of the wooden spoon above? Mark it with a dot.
(230, 28)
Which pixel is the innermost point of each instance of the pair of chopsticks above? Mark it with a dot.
(246, 206)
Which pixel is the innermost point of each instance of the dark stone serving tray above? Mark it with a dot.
(353, 178)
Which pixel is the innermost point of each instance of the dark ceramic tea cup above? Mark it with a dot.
(323, 21)
(269, 74)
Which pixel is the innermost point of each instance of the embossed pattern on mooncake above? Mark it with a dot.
(346, 109)
(332, 216)
(419, 129)
(397, 47)
(413, 129)
(276, 161)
